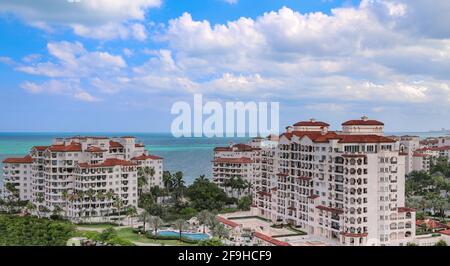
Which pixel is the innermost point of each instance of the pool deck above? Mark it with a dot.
(248, 220)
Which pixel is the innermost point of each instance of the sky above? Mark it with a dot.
(113, 65)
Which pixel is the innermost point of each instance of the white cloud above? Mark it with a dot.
(73, 60)
(99, 19)
(376, 53)
(231, 2)
(85, 97)
(70, 88)
(355, 53)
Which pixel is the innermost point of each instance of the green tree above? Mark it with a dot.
(131, 212)
(244, 203)
(205, 195)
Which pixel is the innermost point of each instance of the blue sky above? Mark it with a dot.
(119, 66)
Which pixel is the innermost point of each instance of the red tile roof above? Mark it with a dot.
(361, 122)
(443, 148)
(304, 178)
(227, 222)
(144, 157)
(432, 224)
(445, 232)
(405, 209)
(108, 163)
(313, 197)
(311, 124)
(271, 240)
(242, 160)
(25, 160)
(115, 144)
(40, 148)
(94, 149)
(319, 137)
(73, 147)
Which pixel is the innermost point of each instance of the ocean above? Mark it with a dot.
(192, 156)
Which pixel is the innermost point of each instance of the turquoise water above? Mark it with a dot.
(193, 236)
(192, 156)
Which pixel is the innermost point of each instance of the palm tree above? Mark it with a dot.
(64, 196)
(80, 195)
(168, 181)
(203, 217)
(91, 194)
(180, 225)
(71, 198)
(109, 196)
(101, 197)
(179, 187)
(30, 207)
(131, 211)
(142, 179)
(155, 222)
(144, 217)
(40, 200)
(118, 204)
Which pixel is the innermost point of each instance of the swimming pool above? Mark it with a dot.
(193, 236)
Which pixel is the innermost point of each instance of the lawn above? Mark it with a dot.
(128, 234)
(99, 226)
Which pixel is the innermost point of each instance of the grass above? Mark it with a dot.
(128, 234)
(100, 226)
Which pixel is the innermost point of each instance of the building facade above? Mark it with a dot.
(83, 176)
(347, 187)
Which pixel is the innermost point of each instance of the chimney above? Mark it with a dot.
(289, 129)
(365, 118)
(313, 120)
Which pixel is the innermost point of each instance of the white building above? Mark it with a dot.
(83, 176)
(408, 145)
(344, 186)
(237, 161)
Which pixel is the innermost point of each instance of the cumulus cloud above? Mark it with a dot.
(355, 53)
(378, 52)
(60, 87)
(100, 19)
(73, 60)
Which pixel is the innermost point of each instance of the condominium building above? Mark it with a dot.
(237, 161)
(347, 187)
(83, 176)
(408, 145)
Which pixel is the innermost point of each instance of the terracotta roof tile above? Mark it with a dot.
(25, 160)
